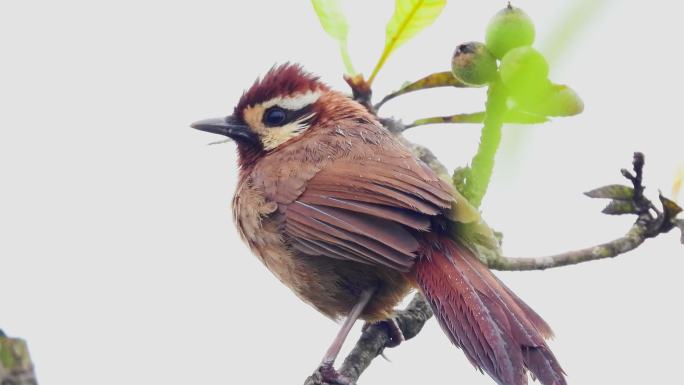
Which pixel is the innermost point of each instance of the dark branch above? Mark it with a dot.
(375, 338)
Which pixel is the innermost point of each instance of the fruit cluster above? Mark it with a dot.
(522, 69)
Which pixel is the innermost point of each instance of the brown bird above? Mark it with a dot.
(350, 220)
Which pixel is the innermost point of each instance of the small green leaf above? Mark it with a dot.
(409, 18)
(620, 207)
(613, 191)
(335, 24)
(511, 116)
(438, 79)
(332, 18)
(670, 212)
(671, 208)
(557, 100)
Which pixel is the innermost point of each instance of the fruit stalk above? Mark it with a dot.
(482, 165)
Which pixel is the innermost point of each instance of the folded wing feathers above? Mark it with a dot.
(366, 211)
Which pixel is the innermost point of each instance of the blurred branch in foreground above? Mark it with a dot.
(16, 367)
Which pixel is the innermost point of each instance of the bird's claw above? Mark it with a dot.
(331, 376)
(396, 336)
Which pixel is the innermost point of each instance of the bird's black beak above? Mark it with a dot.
(228, 126)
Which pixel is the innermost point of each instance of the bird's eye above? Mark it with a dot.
(275, 116)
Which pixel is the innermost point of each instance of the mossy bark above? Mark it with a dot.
(16, 367)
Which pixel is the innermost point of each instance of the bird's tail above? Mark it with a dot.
(498, 332)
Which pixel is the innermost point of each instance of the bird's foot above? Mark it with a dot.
(327, 373)
(396, 336)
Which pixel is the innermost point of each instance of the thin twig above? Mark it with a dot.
(630, 241)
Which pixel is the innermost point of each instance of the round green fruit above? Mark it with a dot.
(473, 64)
(509, 28)
(525, 73)
(560, 100)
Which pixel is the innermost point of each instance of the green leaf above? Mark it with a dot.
(511, 116)
(409, 18)
(670, 207)
(335, 24)
(438, 79)
(620, 207)
(557, 100)
(613, 191)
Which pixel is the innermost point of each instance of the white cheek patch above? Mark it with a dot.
(295, 102)
(275, 136)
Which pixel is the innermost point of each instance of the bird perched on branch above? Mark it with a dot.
(349, 219)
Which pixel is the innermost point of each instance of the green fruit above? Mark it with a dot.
(473, 64)
(508, 29)
(530, 98)
(525, 73)
(559, 100)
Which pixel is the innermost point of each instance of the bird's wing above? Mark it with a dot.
(367, 210)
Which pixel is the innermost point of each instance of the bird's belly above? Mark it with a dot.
(330, 285)
(333, 286)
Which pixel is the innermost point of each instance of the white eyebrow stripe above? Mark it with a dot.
(295, 102)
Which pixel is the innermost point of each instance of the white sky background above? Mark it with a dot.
(119, 261)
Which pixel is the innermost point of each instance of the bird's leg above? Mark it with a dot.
(326, 369)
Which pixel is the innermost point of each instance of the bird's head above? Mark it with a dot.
(277, 110)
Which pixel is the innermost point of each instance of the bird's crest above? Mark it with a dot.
(280, 81)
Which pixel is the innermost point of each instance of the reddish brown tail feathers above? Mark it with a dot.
(497, 331)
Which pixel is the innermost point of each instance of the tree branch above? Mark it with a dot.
(375, 338)
(624, 201)
(630, 241)
(16, 367)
